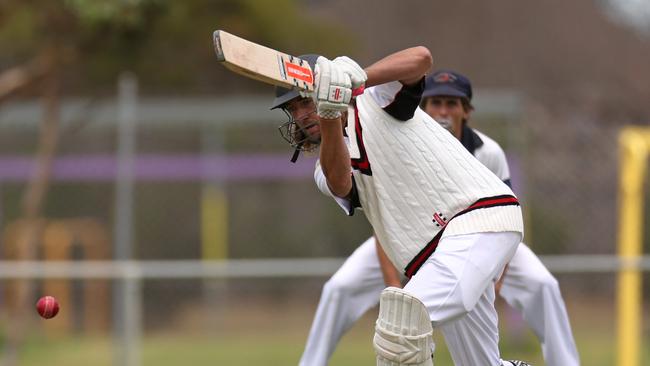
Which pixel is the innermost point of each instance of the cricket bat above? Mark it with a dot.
(262, 63)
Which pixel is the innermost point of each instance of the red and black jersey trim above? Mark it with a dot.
(361, 164)
(417, 262)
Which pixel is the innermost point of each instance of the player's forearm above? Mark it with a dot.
(388, 270)
(407, 66)
(335, 158)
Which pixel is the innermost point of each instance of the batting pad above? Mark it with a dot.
(403, 330)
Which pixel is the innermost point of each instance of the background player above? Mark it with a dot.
(526, 285)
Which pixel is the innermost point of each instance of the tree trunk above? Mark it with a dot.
(22, 311)
(21, 77)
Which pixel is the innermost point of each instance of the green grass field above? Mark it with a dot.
(268, 348)
(246, 336)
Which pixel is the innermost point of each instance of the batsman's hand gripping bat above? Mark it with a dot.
(264, 64)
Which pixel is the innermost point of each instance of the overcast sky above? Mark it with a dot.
(635, 13)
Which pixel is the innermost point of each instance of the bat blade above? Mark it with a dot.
(262, 63)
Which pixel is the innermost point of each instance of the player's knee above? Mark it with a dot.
(337, 287)
(551, 287)
(403, 330)
(468, 306)
(550, 281)
(463, 300)
(545, 282)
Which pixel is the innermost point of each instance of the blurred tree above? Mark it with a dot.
(167, 44)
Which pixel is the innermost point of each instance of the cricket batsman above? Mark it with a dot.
(442, 218)
(527, 285)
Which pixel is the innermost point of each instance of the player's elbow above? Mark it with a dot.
(340, 186)
(423, 59)
(419, 63)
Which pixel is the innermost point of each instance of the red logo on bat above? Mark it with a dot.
(299, 72)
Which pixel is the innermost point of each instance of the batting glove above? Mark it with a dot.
(356, 73)
(332, 89)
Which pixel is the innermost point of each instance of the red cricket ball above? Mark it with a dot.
(47, 307)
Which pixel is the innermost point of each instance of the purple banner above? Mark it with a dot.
(102, 168)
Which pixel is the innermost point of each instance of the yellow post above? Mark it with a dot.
(214, 223)
(633, 153)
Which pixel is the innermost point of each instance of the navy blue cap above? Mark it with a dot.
(283, 95)
(447, 83)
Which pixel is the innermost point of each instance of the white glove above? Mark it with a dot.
(332, 89)
(357, 75)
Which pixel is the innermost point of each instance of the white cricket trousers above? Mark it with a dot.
(528, 287)
(351, 291)
(456, 285)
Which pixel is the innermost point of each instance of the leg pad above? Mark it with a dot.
(403, 330)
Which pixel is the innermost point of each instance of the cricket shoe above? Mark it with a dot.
(518, 363)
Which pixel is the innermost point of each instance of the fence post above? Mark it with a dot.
(633, 153)
(125, 351)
